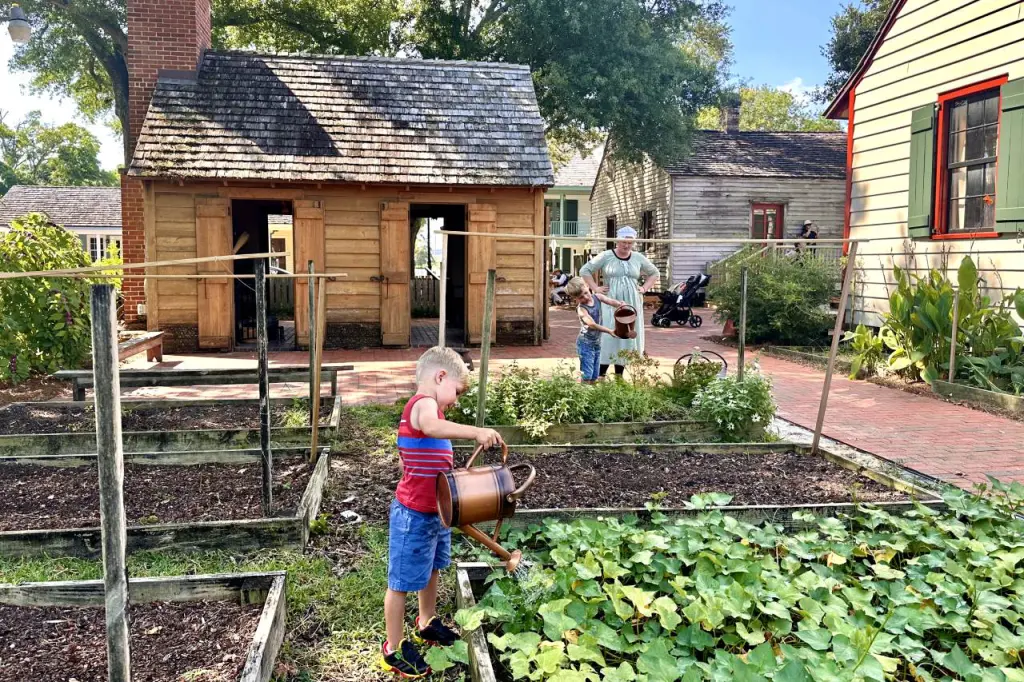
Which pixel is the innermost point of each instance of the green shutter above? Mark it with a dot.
(1010, 168)
(922, 172)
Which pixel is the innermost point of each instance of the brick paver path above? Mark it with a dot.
(953, 443)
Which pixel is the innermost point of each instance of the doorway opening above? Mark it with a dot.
(260, 226)
(427, 224)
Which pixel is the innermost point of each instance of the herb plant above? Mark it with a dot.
(737, 406)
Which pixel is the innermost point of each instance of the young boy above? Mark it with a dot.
(418, 545)
(588, 343)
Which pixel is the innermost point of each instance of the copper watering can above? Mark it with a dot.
(625, 322)
(484, 493)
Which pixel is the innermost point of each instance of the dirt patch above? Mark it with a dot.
(38, 497)
(25, 419)
(598, 479)
(209, 640)
(34, 390)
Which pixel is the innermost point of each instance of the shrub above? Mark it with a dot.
(44, 326)
(737, 406)
(787, 299)
(622, 401)
(688, 380)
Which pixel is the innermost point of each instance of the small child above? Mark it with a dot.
(419, 546)
(588, 343)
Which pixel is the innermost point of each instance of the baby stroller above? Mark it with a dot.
(677, 303)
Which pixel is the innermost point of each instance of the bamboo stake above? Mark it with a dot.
(314, 385)
(744, 273)
(110, 456)
(851, 264)
(952, 341)
(442, 322)
(135, 266)
(485, 348)
(321, 332)
(266, 457)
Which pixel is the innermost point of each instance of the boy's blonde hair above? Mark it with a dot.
(575, 287)
(441, 358)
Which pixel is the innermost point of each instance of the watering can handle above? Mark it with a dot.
(480, 448)
(518, 492)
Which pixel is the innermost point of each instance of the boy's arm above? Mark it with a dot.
(607, 300)
(589, 323)
(424, 418)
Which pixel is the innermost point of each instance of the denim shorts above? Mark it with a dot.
(590, 358)
(418, 545)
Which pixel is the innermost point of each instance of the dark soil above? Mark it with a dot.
(60, 644)
(600, 479)
(36, 389)
(25, 419)
(38, 497)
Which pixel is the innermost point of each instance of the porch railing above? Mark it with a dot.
(570, 228)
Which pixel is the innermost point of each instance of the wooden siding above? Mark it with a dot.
(352, 215)
(626, 191)
(720, 207)
(934, 46)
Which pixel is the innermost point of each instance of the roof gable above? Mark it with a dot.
(764, 154)
(580, 171)
(348, 119)
(72, 207)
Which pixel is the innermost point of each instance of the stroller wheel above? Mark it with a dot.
(696, 321)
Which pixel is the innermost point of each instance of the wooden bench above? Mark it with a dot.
(151, 342)
(82, 379)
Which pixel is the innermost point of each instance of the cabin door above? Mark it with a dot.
(308, 229)
(396, 275)
(481, 256)
(216, 294)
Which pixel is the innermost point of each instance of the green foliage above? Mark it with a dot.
(45, 320)
(297, 414)
(738, 406)
(787, 299)
(925, 596)
(768, 108)
(689, 380)
(35, 153)
(853, 29)
(111, 258)
(868, 350)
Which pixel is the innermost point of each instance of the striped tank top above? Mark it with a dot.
(422, 459)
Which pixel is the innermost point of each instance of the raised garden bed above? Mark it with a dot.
(617, 432)
(980, 398)
(213, 628)
(810, 355)
(185, 501)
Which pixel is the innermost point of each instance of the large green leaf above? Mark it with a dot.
(967, 277)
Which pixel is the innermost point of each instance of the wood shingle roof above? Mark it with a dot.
(348, 119)
(72, 207)
(758, 154)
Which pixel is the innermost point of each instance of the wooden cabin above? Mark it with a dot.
(358, 151)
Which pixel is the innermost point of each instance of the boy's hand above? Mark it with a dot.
(488, 438)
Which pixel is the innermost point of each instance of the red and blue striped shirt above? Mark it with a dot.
(422, 459)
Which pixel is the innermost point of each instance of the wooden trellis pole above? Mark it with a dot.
(110, 457)
(321, 332)
(485, 348)
(314, 383)
(134, 266)
(266, 457)
(740, 369)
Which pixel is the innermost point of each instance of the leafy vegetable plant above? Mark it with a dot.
(868, 350)
(737, 406)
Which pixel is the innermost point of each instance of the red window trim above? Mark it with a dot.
(780, 223)
(941, 230)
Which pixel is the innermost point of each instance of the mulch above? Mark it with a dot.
(206, 640)
(600, 479)
(25, 419)
(41, 497)
(35, 389)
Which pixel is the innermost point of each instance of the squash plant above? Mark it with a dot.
(927, 595)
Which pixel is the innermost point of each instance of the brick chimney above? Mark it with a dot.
(731, 118)
(162, 35)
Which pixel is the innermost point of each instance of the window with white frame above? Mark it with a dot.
(96, 245)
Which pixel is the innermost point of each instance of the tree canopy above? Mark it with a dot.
(853, 29)
(637, 70)
(767, 108)
(34, 153)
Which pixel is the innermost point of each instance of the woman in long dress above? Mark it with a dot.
(621, 270)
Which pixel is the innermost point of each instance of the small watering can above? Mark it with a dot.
(625, 322)
(484, 493)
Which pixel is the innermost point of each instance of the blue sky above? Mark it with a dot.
(777, 42)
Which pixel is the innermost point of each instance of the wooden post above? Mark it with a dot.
(321, 332)
(952, 340)
(740, 368)
(851, 265)
(442, 323)
(110, 455)
(314, 383)
(485, 348)
(262, 361)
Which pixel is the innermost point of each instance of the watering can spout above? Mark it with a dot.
(511, 559)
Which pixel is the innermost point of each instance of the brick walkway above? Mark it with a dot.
(953, 443)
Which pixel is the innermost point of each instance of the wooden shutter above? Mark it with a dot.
(1010, 166)
(308, 228)
(920, 218)
(216, 294)
(481, 256)
(395, 265)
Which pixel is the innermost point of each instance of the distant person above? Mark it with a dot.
(558, 281)
(588, 343)
(808, 234)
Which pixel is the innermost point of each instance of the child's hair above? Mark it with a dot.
(575, 287)
(441, 358)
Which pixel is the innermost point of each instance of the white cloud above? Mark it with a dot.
(801, 92)
(55, 110)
